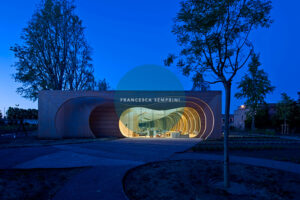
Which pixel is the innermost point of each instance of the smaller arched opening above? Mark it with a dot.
(104, 121)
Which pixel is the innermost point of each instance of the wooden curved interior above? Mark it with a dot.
(144, 122)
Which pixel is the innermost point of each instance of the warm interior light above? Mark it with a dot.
(145, 122)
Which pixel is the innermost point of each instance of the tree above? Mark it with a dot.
(214, 39)
(54, 54)
(199, 83)
(18, 115)
(294, 119)
(254, 86)
(102, 85)
(1, 116)
(262, 118)
(285, 110)
(15, 113)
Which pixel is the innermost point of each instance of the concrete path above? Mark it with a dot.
(109, 160)
(100, 182)
(105, 153)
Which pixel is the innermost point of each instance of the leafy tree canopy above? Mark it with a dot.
(254, 85)
(54, 54)
(285, 107)
(214, 36)
(102, 85)
(21, 114)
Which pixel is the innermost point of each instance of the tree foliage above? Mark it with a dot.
(262, 118)
(214, 36)
(272, 116)
(102, 85)
(54, 54)
(214, 40)
(21, 114)
(254, 87)
(199, 83)
(285, 107)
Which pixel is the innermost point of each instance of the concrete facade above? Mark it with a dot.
(90, 114)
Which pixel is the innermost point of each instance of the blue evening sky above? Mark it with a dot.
(126, 34)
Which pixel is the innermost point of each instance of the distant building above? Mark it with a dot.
(231, 120)
(240, 116)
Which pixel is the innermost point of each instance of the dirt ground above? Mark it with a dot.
(193, 180)
(33, 184)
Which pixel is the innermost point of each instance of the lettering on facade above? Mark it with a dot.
(150, 100)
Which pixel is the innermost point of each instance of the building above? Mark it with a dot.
(240, 116)
(231, 121)
(150, 114)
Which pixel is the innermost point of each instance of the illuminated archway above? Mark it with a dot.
(175, 123)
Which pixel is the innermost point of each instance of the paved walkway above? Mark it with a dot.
(109, 160)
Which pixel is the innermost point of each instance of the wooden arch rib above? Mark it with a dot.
(206, 115)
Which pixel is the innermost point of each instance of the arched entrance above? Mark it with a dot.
(183, 122)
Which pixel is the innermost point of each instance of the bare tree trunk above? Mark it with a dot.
(253, 123)
(226, 133)
(285, 127)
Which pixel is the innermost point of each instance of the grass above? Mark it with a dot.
(274, 148)
(33, 184)
(247, 143)
(191, 179)
(6, 128)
